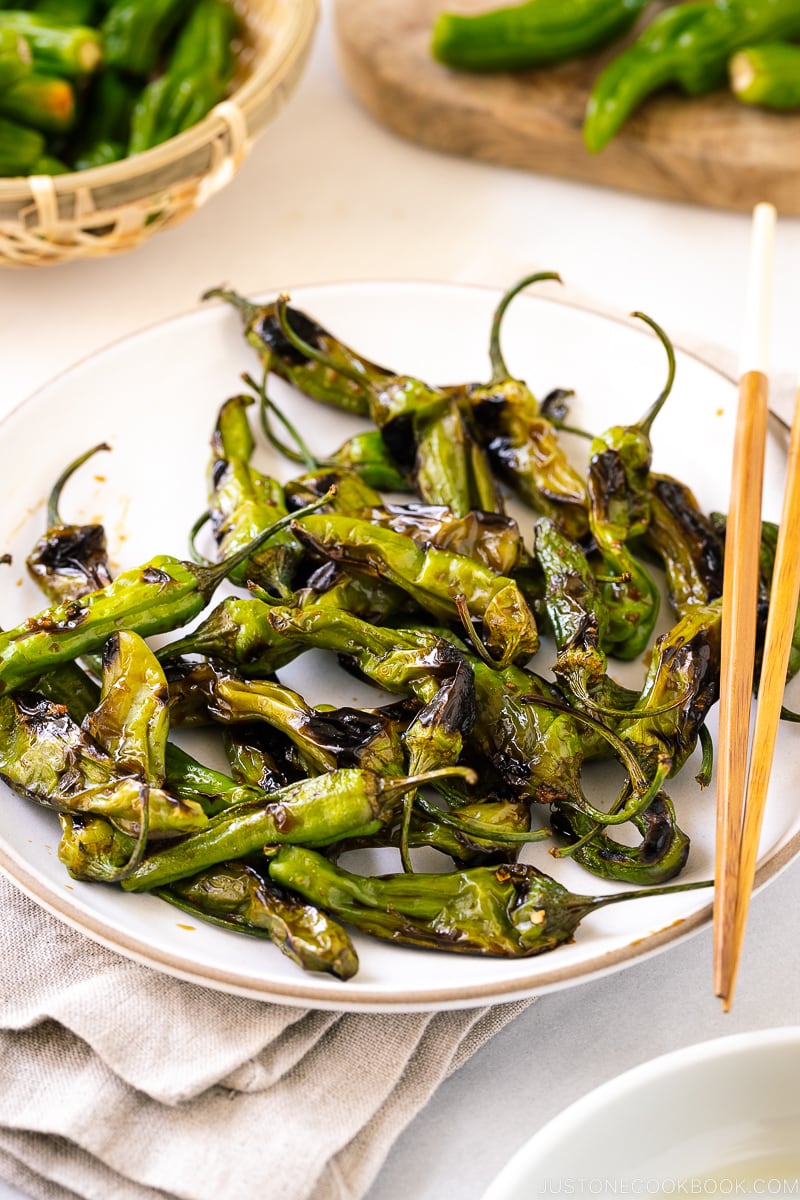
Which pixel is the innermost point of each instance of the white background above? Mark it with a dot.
(328, 195)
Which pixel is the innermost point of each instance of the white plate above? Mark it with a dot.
(154, 397)
(721, 1118)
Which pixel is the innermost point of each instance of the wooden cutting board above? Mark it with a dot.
(712, 150)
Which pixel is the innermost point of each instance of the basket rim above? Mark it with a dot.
(293, 32)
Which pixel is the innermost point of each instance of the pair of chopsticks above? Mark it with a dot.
(742, 778)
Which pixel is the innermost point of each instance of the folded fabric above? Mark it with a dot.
(118, 1081)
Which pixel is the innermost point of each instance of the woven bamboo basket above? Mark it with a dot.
(52, 219)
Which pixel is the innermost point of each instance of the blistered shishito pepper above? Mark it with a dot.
(534, 34)
(575, 609)
(349, 491)
(686, 44)
(94, 848)
(619, 512)
(436, 580)
(321, 811)
(660, 855)
(510, 911)
(131, 720)
(425, 431)
(235, 896)
(160, 596)
(69, 561)
(681, 687)
(364, 454)
(312, 378)
(243, 503)
(498, 818)
(325, 741)
(46, 756)
(491, 538)
(522, 444)
(687, 543)
(212, 790)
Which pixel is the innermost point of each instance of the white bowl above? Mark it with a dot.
(719, 1118)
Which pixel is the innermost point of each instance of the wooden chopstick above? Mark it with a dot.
(740, 595)
(783, 598)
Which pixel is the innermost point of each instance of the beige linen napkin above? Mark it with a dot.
(117, 1081)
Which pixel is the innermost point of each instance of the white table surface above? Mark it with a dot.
(328, 195)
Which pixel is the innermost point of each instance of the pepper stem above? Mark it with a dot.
(638, 779)
(53, 515)
(197, 557)
(312, 352)
(482, 829)
(137, 854)
(399, 786)
(647, 420)
(302, 454)
(703, 776)
(638, 893)
(499, 368)
(246, 307)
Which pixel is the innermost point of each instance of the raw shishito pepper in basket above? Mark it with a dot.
(84, 83)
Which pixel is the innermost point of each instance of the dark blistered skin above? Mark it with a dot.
(70, 561)
(489, 537)
(684, 672)
(660, 855)
(689, 546)
(525, 452)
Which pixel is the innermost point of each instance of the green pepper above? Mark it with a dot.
(767, 75)
(135, 31)
(237, 897)
(322, 810)
(212, 790)
(687, 543)
(682, 685)
(93, 848)
(688, 44)
(42, 101)
(131, 720)
(44, 755)
(69, 561)
(536, 34)
(162, 595)
(340, 388)
(325, 741)
(619, 513)
(59, 49)
(20, 148)
(106, 122)
(449, 586)
(15, 58)
(243, 503)
(510, 911)
(521, 443)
